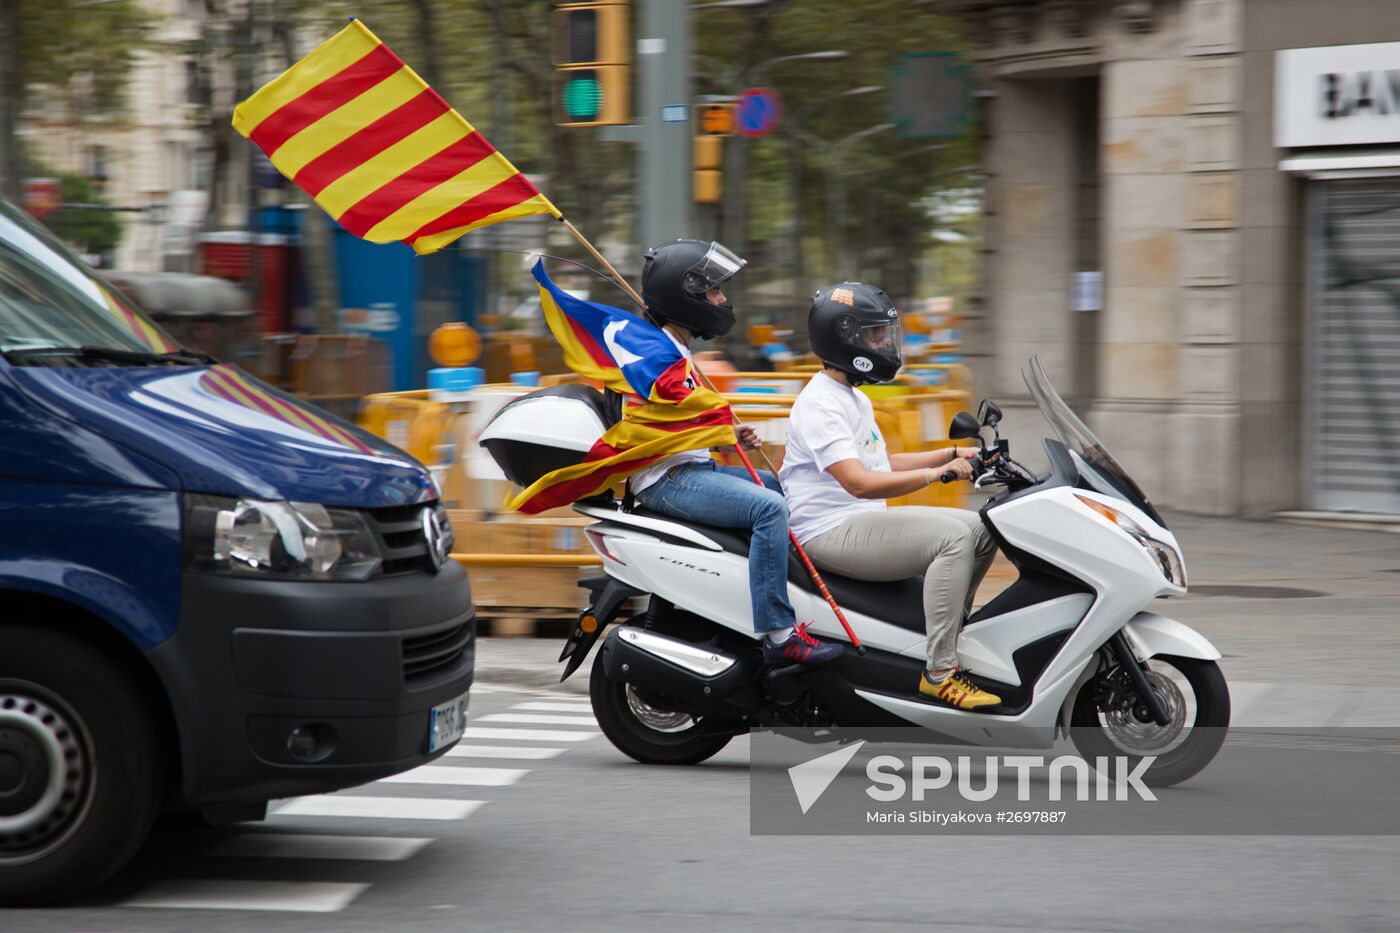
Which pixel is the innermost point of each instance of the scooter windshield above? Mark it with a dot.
(1077, 437)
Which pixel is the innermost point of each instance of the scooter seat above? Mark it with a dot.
(898, 602)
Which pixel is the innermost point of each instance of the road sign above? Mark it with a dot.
(716, 119)
(759, 112)
(930, 94)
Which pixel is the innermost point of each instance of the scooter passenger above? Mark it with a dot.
(682, 285)
(836, 476)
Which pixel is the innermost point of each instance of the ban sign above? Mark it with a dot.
(760, 109)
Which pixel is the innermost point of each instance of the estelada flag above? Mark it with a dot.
(664, 411)
(379, 150)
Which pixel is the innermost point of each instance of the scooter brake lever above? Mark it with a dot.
(977, 484)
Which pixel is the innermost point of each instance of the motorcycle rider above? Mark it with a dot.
(836, 476)
(682, 286)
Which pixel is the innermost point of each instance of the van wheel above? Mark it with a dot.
(79, 780)
(641, 727)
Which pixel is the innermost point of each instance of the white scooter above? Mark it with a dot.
(1067, 645)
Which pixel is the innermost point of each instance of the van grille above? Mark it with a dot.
(436, 655)
(399, 530)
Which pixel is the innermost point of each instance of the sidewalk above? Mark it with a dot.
(1284, 603)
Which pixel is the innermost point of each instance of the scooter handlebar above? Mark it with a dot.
(948, 476)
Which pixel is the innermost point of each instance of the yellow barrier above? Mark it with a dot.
(408, 420)
(912, 417)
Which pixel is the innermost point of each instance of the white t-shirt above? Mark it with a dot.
(830, 422)
(644, 478)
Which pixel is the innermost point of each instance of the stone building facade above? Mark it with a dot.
(1226, 362)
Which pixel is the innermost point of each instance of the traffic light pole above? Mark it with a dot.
(663, 77)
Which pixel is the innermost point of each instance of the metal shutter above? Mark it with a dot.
(1354, 346)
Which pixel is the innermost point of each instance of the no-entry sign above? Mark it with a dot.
(760, 110)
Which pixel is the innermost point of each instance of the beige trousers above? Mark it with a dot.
(950, 547)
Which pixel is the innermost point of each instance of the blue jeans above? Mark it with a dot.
(727, 497)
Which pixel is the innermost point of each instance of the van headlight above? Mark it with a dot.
(1167, 557)
(286, 540)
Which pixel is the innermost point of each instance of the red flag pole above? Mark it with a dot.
(743, 457)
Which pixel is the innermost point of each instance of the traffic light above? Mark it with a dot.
(714, 122)
(592, 64)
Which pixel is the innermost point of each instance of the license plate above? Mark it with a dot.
(447, 722)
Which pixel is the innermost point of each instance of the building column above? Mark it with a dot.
(1169, 396)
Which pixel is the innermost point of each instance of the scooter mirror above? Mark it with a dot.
(988, 413)
(964, 426)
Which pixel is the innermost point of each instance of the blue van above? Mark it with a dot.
(213, 594)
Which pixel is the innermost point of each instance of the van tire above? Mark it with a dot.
(66, 691)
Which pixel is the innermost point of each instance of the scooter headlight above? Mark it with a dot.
(1168, 558)
(287, 540)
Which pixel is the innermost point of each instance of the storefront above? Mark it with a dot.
(1338, 125)
(1230, 171)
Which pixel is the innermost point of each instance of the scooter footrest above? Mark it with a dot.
(777, 672)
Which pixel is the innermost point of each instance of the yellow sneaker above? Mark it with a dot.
(956, 690)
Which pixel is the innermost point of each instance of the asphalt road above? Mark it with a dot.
(577, 837)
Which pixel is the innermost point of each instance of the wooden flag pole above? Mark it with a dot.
(743, 457)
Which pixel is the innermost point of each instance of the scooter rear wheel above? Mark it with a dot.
(642, 728)
(1184, 747)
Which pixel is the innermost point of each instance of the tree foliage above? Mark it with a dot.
(81, 52)
(884, 224)
(89, 230)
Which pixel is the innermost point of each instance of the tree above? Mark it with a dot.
(81, 53)
(885, 177)
(9, 99)
(92, 231)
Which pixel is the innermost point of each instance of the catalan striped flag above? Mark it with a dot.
(233, 386)
(664, 410)
(144, 330)
(379, 150)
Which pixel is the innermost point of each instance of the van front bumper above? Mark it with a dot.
(284, 688)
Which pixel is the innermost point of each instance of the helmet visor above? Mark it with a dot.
(716, 267)
(882, 338)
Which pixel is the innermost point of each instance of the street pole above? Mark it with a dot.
(663, 52)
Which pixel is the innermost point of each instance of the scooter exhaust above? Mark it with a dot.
(695, 678)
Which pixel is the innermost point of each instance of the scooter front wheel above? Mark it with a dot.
(641, 726)
(1107, 722)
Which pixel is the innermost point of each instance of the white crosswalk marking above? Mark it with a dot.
(520, 752)
(539, 719)
(458, 776)
(384, 808)
(302, 896)
(312, 846)
(529, 735)
(1281, 704)
(554, 706)
(496, 751)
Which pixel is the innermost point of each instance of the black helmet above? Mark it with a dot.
(854, 327)
(675, 279)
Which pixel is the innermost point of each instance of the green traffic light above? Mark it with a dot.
(582, 96)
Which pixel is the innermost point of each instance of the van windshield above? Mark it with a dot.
(50, 299)
(1075, 435)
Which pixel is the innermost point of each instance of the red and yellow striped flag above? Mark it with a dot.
(379, 150)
